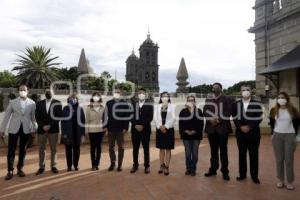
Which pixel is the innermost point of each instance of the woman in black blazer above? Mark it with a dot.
(191, 122)
(73, 131)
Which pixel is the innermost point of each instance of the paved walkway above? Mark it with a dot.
(102, 184)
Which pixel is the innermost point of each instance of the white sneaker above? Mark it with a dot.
(280, 185)
(290, 187)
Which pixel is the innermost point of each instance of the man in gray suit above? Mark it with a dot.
(20, 115)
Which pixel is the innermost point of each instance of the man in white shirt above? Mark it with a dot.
(247, 115)
(141, 130)
(48, 112)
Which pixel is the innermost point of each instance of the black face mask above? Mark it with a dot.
(217, 91)
(48, 95)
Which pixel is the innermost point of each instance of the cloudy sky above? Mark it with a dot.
(211, 35)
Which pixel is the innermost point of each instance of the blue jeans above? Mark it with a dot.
(191, 153)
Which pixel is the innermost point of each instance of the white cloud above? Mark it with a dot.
(211, 35)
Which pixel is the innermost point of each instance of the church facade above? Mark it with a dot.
(143, 70)
(277, 41)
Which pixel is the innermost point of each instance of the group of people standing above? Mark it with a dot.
(25, 117)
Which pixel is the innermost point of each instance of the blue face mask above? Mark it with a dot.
(73, 102)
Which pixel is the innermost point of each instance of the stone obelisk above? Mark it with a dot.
(182, 76)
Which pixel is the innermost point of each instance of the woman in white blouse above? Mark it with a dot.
(164, 118)
(284, 121)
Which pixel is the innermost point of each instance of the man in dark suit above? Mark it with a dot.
(217, 111)
(116, 121)
(48, 112)
(141, 129)
(247, 115)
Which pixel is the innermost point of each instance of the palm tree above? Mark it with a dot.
(36, 67)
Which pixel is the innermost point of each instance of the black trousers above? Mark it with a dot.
(72, 155)
(248, 142)
(137, 139)
(95, 147)
(112, 138)
(218, 142)
(12, 145)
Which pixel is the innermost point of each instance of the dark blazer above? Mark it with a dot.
(224, 127)
(44, 118)
(142, 116)
(122, 110)
(252, 117)
(295, 121)
(67, 126)
(193, 122)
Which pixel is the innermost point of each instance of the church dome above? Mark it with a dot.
(132, 56)
(148, 41)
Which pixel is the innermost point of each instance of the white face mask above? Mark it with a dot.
(142, 97)
(246, 94)
(190, 104)
(96, 98)
(165, 99)
(282, 102)
(117, 95)
(23, 94)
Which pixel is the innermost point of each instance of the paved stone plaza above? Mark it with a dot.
(102, 184)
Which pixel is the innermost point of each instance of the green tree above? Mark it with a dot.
(7, 79)
(201, 89)
(36, 67)
(236, 88)
(106, 74)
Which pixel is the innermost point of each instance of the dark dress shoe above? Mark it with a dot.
(111, 167)
(133, 170)
(193, 173)
(256, 180)
(9, 175)
(166, 171)
(147, 170)
(54, 170)
(162, 167)
(119, 169)
(210, 173)
(226, 177)
(20, 173)
(188, 172)
(240, 178)
(40, 171)
(76, 168)
(69, 169)
(97, 168)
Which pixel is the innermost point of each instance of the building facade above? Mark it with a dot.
(277, 41)
(143, 70)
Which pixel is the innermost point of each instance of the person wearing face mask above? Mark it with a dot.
(164, 118)
(73, 131)
(247, 115)
(191, 123)
(284, 122)
(141, 130)
(94, 128)
(20, 118)
(48, 113)
(117, 117)
(217, 111)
